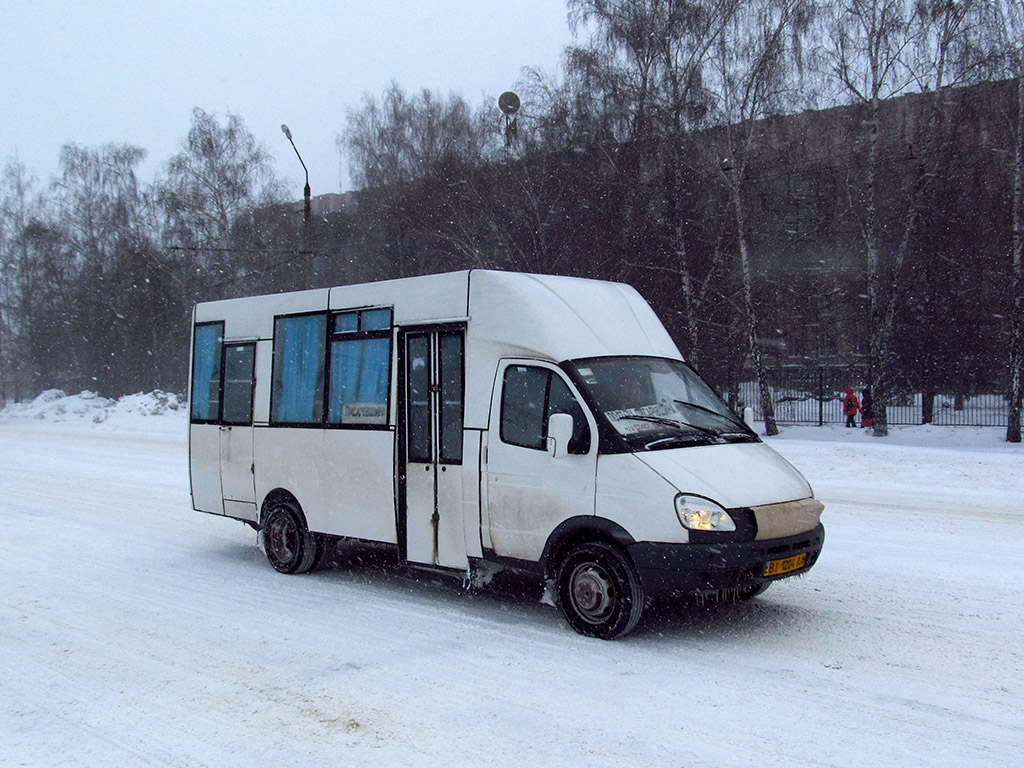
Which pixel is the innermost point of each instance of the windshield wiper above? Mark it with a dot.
(730, 419)
(673, 423)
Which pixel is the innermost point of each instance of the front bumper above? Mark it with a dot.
(668, 568)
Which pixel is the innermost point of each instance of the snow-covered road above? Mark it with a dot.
(134, 631)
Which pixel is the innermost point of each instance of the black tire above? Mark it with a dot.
(751, 591)
(599, 592)
(324, 552)
(289, 545)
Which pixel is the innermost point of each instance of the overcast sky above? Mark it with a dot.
(93, 71)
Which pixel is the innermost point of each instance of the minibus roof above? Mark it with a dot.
(547, 316)
(564, 317)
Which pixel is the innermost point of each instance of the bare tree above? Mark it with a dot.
(18, 206)
(685, 49)
(213, 188)
(755, 55)
(401, 138)
(103, 211)
(877, 50)
(640, 82)
(866, 57)
(624, 56)
(409, 154)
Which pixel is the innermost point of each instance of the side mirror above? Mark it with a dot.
(560, 427)
(748, 416)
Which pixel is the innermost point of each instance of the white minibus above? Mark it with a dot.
(480, 420)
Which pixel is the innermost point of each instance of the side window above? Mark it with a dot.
(421, 444)
(206, 374)
(451, 366)
(522, 406)
(239, 366)
(298, 378)
(360, 367)
(529, 396)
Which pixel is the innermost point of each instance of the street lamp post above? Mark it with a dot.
(306, 222)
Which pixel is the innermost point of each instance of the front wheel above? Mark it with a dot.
(599, 592)
(289, 545)
(751, 591)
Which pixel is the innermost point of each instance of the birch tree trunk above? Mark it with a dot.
(876, 342)
(894, 43)
(749, 315)
(1017, 312)
(689, 301)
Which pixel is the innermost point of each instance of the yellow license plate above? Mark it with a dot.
(785, 565)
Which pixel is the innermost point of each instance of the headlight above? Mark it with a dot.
(700, 514)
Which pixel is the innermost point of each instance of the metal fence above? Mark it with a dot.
(815, 395)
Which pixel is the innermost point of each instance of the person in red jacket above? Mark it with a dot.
(851, 407)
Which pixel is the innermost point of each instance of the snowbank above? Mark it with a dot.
(156, 411)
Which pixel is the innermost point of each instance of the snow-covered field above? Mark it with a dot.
(134, 631)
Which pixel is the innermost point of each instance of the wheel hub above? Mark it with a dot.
(282, 539)
(592, 592)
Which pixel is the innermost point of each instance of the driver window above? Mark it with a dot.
(529, 396)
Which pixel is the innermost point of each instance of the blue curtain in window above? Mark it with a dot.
(206, 373)
(360, 370)
(299, 369)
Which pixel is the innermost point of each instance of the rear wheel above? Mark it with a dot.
(289, 545)
(599, 592)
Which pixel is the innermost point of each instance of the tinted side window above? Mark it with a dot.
(529, 397)
(420, 448)
(451, 397)
(523, 401)
(206, 357)
(239, 365)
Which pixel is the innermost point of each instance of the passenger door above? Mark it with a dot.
(529, 491)
(236, 442)
(430, 435)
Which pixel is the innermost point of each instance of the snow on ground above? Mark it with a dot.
(135, 631)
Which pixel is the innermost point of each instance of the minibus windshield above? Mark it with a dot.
(655, 403)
